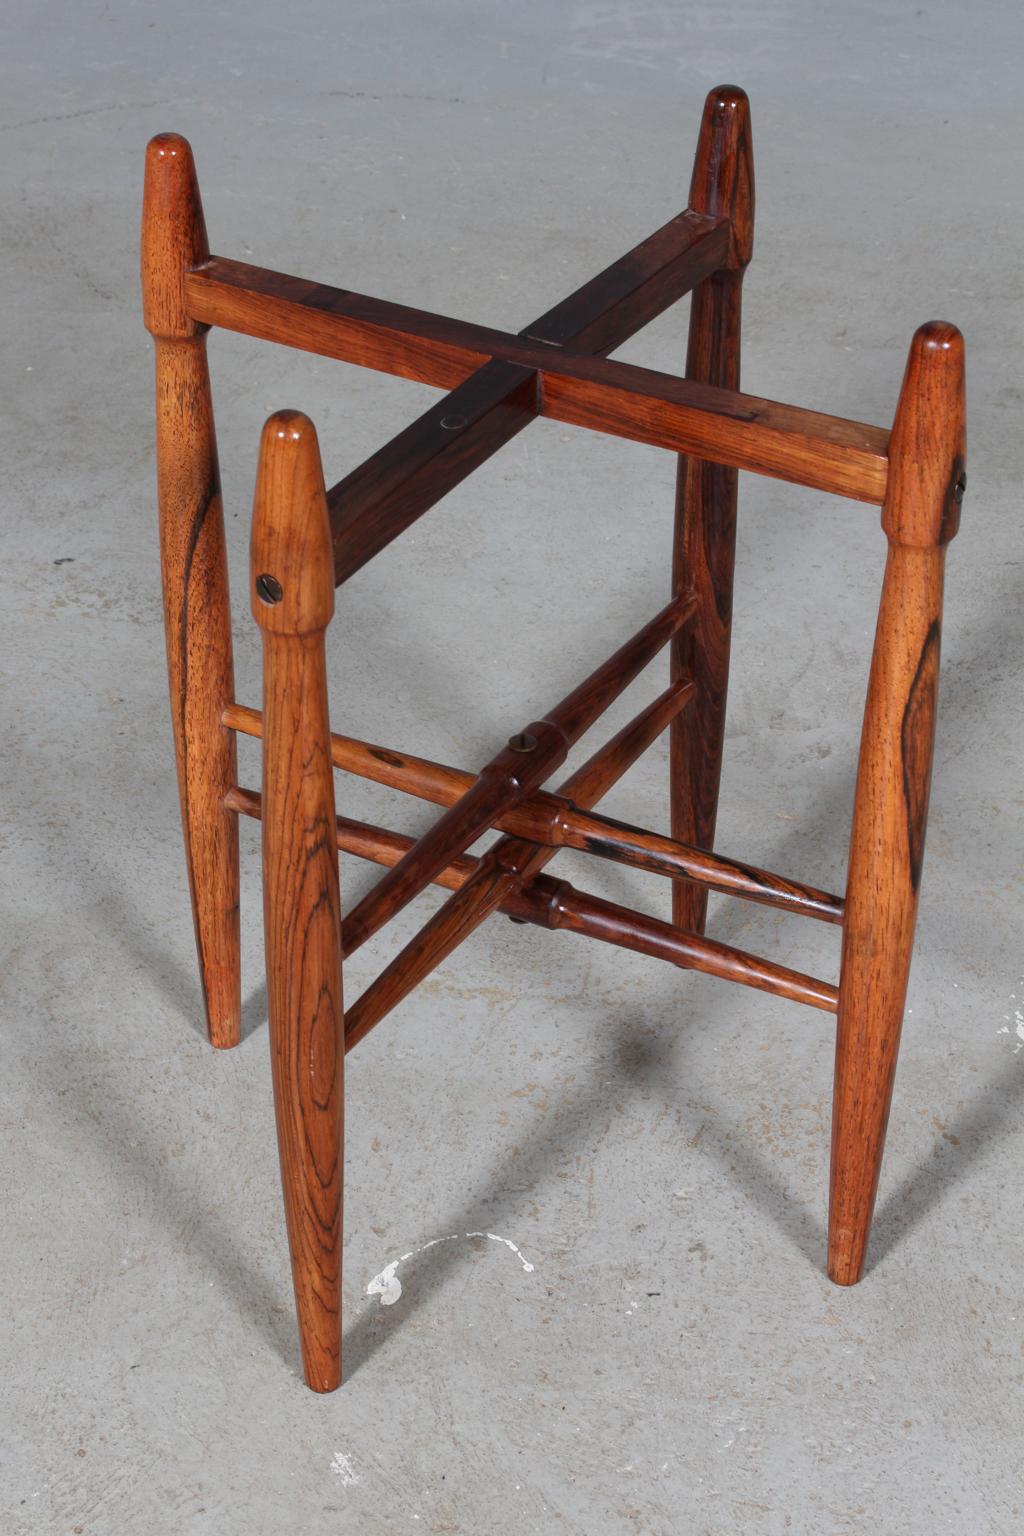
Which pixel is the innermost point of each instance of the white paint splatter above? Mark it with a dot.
(387, 1285)
(341, 1466)
(1018, 1025)
(494, 1238)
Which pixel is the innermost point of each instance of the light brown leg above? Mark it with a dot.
(920, 516)
(705, 533)
(293, 600)
(197, 611)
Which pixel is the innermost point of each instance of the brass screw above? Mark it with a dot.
(522, 742)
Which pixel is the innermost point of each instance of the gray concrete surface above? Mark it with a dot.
(655, 1145)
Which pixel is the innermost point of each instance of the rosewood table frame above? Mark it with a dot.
(307, 539)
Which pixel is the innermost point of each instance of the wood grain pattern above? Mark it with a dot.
(827, 453)
(500, 784)
(602, 769)
(593, 833)
(556, 904)
(599, 919)
(635, 289)
(379, 845)
(197, 610)
(386, 494)
(305, 540)
(438, 782)
(377, 501)
(292, 557)
(558, 822)
(920, 516)
(704, 546)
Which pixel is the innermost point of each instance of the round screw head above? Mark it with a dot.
(960, 487)
(268, 588)
(453, 423)
(522, 742)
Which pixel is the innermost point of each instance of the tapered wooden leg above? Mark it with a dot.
(920, 516)
(293, 600)
(197, 612)
(705, 533)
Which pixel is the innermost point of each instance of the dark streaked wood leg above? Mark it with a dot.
(705, 532)
(197, 611)
(920, 516)
(293, 600)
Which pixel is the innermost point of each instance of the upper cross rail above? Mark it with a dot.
(379, 499)
(611, 307)
(827, 453)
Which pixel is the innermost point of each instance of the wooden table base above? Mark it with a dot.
(307, 539)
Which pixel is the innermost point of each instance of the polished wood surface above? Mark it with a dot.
(292, 595)
(197, 610)
(531, 756)
(378, 845)
(704, 545)
(557, 904)
(829, 453)
(386, 494)
(920, 516)
(486, 886)
(306, 540)
(558, 822)
(396, 485)
(600, 919)
(602, 768)
(641, 285)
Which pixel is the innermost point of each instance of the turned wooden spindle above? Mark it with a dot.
(920, 515)
(197, 612)
(292, 595)
(704, 548)
(559, 822)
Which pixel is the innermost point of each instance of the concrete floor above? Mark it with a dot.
(666, 1356)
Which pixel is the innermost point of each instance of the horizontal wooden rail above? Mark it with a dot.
(376, 502)
(556, 904)
(591, 832)
(556, 821)
(804, 447)
(378, 845)
(634, 290)
(442, 785)
(600, 919)
(385, 495)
